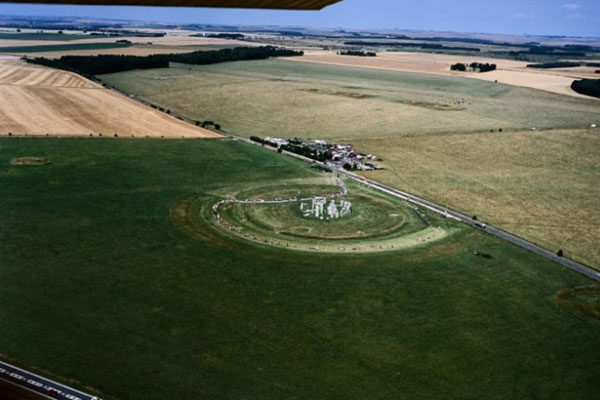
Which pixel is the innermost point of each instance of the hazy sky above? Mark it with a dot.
(550, 17)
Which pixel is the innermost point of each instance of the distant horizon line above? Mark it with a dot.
(329, 28)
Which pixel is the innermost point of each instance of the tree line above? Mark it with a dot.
(558, 64)
(263, 141)
(590, 87)
(428, 46)
(358, 53)
(296, 147)
(232, 36)
(107, 64)
(474, 66)
(565, 51)
(308, 152)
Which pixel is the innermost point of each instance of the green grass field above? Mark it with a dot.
(286, 98)
(98, 285)
(63, 47)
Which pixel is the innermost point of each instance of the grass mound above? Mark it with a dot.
(29, 162)
(583, 302)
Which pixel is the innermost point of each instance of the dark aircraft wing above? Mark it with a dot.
(273, 4)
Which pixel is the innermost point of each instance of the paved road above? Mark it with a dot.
(46, 388)
(582, 269)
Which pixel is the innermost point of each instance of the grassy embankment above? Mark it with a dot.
(100, 286)
(376, 223)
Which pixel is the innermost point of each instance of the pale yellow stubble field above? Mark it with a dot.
(43, 101)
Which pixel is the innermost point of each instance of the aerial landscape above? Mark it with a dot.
(230, 203)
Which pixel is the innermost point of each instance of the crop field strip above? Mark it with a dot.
(101, 47)
(170, 41)
(22, 74)
(43, 101)
(438, 64)
(47, 36)
(509, 71)
(301, 322)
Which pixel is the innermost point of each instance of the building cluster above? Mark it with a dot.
(333, 154)
(318, 208)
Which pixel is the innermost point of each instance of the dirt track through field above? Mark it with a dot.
(44, 101)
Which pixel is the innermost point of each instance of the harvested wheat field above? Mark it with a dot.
(427, 63)
(15, 73)
(509, 72)
(549, 82)
(44, 101)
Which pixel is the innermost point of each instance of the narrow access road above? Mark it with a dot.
(44, 387)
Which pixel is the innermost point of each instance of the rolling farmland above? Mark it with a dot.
(433, 132)
(138, 268)
(44, 101)
(287, 98)
(509, 71)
